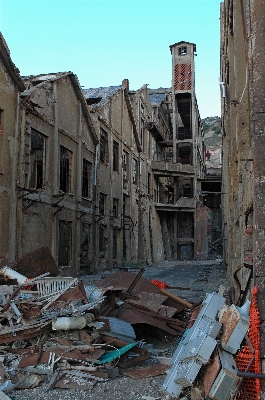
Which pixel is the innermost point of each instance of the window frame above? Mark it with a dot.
(86, 178)
(37, 164)
(115, 156)
(66, 171)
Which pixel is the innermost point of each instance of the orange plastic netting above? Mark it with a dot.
(160, 284)
(248, 358)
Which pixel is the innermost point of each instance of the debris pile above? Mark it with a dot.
(60, 331)
(205, 358)
(73, 335)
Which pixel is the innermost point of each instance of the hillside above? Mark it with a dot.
(212, 131)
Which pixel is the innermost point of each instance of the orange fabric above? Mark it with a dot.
(251, 387)
(160, 284)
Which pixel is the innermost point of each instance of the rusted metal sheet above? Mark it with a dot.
(135, 317)
(32, 360)
(32, 314)
(74, 294)
(139, 373)
(27, 333)
(36, 263)
(29, 382)
(211, 372)
(85, 337)
(154, 302)
(68, 381)
(3, 374)
(123, 280)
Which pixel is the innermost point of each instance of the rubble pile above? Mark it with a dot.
(68, 334)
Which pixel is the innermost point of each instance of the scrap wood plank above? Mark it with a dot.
(139, 373)
(176, 298)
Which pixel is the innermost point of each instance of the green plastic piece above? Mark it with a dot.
(112, 355)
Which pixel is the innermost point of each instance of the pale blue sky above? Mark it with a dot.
(103, 42)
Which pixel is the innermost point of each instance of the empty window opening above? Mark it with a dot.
(103, 146)
(184, 153)
(125, 159)
(65, 242)
(142, 134)
(115, 156)
(65, 169)
(85, 236)
(165, 190)
(1, 123)
(184, 120)
(185, 187)
(86, 178)
(134, 171)
(115, 208)
(183, 51)
(102, 204)
(102, 241)
(149, 183)
(115, 245)
(185, 225)
(37, 160)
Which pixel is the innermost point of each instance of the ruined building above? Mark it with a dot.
(105, 176)
(242, 89)
(180, 168)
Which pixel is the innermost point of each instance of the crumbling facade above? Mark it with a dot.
(242, 87)
(107, 176)
(11, 87)
(179, 168)
(52, 170)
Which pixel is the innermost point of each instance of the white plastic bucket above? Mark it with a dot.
(67, 323)
(11, 274)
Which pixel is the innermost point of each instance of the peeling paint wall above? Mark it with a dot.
(242, 71)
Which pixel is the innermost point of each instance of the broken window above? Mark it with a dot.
(149, 183)
(134, 171)
(37, 159)
(185, 187)
(102, 241)
(65, 242)
(102, 204)
(115, 244)
(85, 235)
(86, 178)
(185, 225)
(1, 123)
(125, 159)
(115, 209)
(103, 146)
(142, 134)
(65, 169)
(115, 156)
(184, 153)
(183, 51)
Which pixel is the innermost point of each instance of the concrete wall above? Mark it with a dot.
(242, 71)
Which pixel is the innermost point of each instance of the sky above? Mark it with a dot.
(103, 42)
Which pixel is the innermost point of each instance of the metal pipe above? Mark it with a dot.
(244, 374)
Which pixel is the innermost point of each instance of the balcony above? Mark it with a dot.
(164, 168)
(183, 204)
